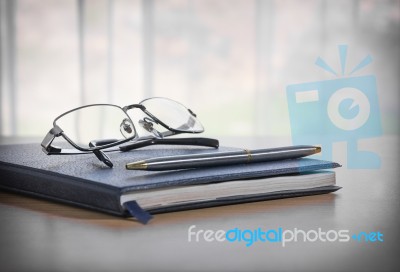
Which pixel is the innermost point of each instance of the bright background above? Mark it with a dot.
(229, 61)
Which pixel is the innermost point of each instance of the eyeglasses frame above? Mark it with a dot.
(56, 131)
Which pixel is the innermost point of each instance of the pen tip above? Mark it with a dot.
(318, 149)
(140, 165)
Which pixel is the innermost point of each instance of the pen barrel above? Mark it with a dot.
(198, 162)
(282, 154)
(229, 158)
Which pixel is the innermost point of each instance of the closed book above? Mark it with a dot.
(84, 181)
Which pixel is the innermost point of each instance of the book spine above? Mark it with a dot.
(60, 188)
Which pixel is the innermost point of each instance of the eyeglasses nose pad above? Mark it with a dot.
(147, 124)
(126, 128)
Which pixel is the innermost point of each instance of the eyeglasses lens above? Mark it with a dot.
(96, 122)
(173, 114)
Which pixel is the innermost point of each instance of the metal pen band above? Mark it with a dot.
(249, 156)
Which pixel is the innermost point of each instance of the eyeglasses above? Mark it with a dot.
(98, 127)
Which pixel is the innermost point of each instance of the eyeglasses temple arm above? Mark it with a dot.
(176, 141)
(55, 150)
(48, 139)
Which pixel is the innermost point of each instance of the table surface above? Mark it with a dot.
(38, 235)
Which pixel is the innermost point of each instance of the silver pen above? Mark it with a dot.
(223, 158)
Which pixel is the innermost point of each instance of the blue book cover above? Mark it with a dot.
(84, 181)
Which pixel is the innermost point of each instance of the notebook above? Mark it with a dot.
(84, 181)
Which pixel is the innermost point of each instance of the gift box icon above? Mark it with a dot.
(337, 110)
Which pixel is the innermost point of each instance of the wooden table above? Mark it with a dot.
(37, 235)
